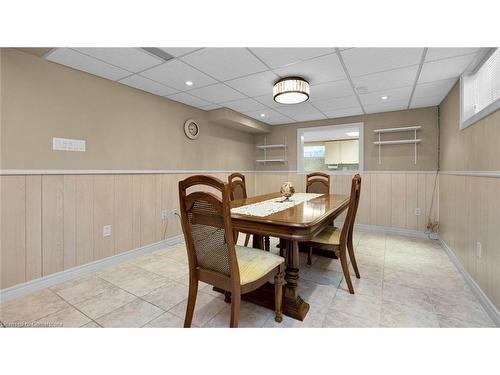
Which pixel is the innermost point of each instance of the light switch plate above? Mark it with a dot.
(479, 249)
(65, 144)
(106, 230)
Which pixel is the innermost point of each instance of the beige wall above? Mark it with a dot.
(470, 205)
(394, 157)
(124, 128)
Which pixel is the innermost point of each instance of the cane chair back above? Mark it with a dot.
(207, 228)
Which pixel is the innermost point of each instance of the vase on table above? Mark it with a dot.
(287, 190)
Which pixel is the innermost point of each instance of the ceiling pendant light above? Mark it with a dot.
(291, 90)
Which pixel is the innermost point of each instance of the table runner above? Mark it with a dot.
(273, 205)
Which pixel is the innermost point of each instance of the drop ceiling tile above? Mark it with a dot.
(315, 71)
(225, 63)
(428, 101)
(79, 61)
(444, 53)
(330, 90)
(255, 84)
(271, 117)
(131, 59)
(387, 107)
(244, 105)
(313, 116)
(436, 88)
(337, 103)
(145, 84)
(268, 113)
(175, 73)
(344, 112)
(188, 99)
(386, 80)
(179, 51)
(278, 57)
(218, 93)
(394, 95)
(361, 61)
(296, 109)
(268, 100)
(444, 69)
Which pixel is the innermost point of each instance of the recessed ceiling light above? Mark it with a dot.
(291, 90)
(189, 83)
(262, 115)
(385, 97)
(353, 134)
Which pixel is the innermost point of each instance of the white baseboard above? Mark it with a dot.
(29, 287)
(481, 296)
(389, 230)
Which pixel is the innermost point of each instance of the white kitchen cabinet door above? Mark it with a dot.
(332, 153)
(350, 151)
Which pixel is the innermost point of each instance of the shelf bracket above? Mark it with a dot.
(379, 150)
(415, 144)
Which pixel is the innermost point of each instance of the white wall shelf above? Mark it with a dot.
(283, 146)
(413, 141)
(271, 161)
(399, 142)
(262, 147)
(394, 130)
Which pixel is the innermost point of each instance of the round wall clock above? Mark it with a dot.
(191, 129)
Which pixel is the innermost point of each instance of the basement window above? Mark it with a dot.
(480, 90)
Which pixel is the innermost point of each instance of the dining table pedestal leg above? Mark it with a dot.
(293, 305)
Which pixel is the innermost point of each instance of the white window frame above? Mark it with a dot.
(300, 146)
(495, 106)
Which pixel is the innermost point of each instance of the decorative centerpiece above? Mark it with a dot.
(287, 190)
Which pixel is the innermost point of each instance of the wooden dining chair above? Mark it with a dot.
(238, 190)
(340, 241)
(212, 254)
(318, 183)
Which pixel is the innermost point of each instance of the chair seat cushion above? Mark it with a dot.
(255, 263)
(330, 236)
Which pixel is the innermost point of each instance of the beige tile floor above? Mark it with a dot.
(405, 282)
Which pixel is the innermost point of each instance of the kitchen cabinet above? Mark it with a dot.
(342, 152)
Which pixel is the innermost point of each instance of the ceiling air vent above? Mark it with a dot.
(158, 53)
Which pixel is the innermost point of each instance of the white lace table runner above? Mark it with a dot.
(274, 205)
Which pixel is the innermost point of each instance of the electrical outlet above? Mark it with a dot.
(164, 214)
(418, 211)
(479, 249)
(106, 230)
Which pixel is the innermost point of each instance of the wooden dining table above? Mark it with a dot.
(293, 225)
